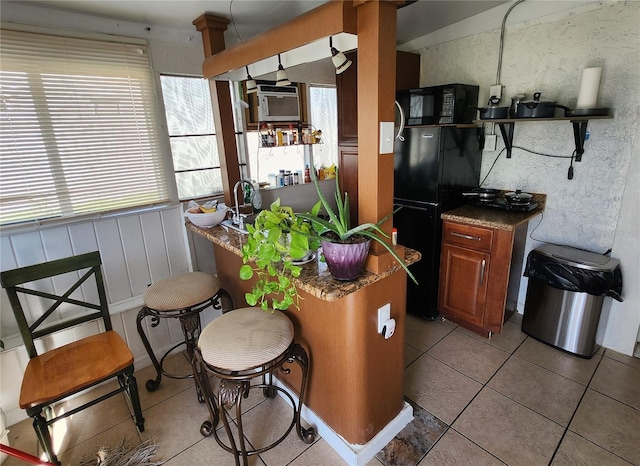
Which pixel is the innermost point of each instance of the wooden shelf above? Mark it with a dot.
(579, 123)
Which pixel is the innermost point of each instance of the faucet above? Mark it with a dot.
(238, 218)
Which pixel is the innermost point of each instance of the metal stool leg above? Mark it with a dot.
(151, 384)
(299, 355)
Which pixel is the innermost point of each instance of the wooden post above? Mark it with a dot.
(212, 29)
(376, 22)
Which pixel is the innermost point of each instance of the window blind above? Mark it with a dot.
(79, 131)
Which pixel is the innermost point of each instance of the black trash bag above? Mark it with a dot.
(572, 278)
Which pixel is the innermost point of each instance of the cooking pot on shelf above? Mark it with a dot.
(536, 108)
(492, 111)
(483, 193)
(518, 197)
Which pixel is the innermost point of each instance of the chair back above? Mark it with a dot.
(78, 296)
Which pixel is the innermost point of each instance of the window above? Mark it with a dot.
(324, 116)
(79, 132)
(187, 102)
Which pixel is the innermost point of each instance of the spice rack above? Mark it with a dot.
(287, 134)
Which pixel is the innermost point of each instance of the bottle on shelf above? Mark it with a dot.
(307, 174)
(279, 139)
(270, 136)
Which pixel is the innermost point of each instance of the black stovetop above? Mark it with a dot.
(502, 204)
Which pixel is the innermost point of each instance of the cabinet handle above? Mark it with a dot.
(484, 262)
(460, 235)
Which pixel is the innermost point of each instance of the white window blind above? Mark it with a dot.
(78, 128)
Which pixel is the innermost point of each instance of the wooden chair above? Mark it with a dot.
(58, 373)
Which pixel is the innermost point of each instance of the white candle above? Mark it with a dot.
(589, 86)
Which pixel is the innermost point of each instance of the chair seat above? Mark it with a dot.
(69, 368)
(181, 291)
(245, 338)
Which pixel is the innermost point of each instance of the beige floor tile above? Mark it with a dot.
(175, 423)
(174, 364)
(320, 453)
(268, 421)
(454, 449)
(438, 388)
(410, 354)
(93, 420)
(23, 437)
(543, 391)
(618, 381)
(208, 452)
(628, 360)
(423, 334)
(447, 322)
(508, 430)
(609, 424)
(111, 437)
(516, 318)
(577, 450)
(468, 355)
(565, 364)
(509, 339)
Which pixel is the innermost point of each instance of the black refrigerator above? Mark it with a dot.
(433, 165)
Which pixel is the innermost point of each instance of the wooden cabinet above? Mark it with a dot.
(480, 271)
(407, 77)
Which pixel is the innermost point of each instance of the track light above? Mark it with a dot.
(281, 75)
(252, 87)
(338, 58)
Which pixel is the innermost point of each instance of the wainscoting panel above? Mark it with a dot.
(136, 251)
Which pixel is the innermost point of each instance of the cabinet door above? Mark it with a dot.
(463, 283)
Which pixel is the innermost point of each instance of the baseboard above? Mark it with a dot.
(353, 454)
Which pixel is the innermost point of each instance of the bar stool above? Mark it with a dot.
(180, 297)
(236, 348)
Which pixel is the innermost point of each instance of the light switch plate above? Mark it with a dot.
(386, 137)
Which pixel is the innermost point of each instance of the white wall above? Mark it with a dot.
(597, 210)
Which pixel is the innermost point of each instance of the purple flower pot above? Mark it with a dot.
(345, 261)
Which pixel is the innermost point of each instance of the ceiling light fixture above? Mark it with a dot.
(281, 75)
(338, 58)
(252, 87)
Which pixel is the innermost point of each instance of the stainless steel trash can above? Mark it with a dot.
(565, 293)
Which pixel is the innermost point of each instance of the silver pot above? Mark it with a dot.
(536, 108)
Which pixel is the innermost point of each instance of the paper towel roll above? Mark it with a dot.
(589, 86)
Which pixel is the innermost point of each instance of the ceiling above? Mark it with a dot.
(252, 17)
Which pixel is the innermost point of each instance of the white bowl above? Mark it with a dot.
(207, 220)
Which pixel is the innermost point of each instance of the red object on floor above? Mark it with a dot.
(23, 456)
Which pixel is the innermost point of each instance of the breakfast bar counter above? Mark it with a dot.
(355, 382)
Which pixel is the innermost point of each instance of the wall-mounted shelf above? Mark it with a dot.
(507, 126)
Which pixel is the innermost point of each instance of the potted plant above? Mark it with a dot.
(279, 237)
(345, 249)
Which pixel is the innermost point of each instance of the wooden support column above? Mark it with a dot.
(212, 29)
(376, 22)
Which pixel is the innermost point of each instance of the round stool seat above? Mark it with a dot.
(245, 338)
(181, 291)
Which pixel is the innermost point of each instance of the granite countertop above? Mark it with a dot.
(494, 218)
(315, 277)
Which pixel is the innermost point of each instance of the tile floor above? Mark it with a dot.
(510, 400)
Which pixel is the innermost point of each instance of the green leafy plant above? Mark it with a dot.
(338, 228)
(276, 239)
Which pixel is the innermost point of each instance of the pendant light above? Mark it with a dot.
(338, 58)
(281, 75)
(252, 87)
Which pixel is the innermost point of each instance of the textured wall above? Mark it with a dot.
(597, 210)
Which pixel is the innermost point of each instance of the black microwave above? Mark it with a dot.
(439, 105)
